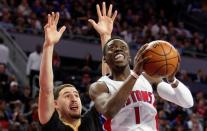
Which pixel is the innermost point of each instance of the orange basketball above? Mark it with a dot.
(163, 60)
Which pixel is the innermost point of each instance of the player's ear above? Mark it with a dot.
(56, 104)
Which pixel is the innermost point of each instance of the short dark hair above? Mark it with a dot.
(111, 39)
(59, 88)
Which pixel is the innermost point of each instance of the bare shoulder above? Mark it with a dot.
(97, 88)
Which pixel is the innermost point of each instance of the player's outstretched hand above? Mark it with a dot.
(52, 35)
(139, 60)
(105, 21)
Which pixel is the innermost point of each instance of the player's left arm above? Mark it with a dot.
(175, 91)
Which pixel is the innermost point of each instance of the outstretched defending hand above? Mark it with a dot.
(52, 36)
(105, 21)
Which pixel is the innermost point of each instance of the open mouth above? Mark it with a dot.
(74, 107)
(119, 57)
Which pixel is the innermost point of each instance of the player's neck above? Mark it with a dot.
(74, 123)
(121, 75)
(68, 120)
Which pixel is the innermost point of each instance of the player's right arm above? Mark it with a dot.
(46, 97)
(104, 27)
(176, 92)
(110, 104)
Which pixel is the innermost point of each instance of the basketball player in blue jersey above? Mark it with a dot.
(125, 97)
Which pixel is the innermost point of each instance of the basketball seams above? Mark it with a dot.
(161, 68)
(169, 51)
(158, 69)
(165, 59)
(154, 52)
(160, 60)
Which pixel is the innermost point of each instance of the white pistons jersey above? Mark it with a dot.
(138, 113)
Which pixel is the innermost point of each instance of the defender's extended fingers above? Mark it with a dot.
(53, 18)
(57, 16)
(109, 11)
(49, 19)
(114, 15)
(62, 29)
(93, 23)
(104, 9)
(98, 11)
(46, 26)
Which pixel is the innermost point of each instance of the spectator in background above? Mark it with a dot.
(33, 64)
(4, 118)
(201, 108)
(27, 99)
(35, 26)
(88, 65)
(14, 92)
(194, 124)
(201, 77)
(6, 21)
(24, 8)
(4, 79)
(163, 121)
(84, 87)
(4, 52)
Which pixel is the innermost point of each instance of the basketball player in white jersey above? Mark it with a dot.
(125, 97)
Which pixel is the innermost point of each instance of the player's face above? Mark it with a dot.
(117, 54)
(69, 103)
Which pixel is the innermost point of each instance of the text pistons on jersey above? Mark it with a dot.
(138, 96)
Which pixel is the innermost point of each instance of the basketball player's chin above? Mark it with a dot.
(120, 64)
(75, 112)
(76, 116)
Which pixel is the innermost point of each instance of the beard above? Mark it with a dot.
(75, 116)
(70, 115)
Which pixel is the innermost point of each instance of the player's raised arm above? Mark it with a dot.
(46, 97)
(104, 28)
(175, 91)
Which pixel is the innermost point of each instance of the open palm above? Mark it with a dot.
(105, 21)
(52, 36)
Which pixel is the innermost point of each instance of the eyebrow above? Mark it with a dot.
(69, 92)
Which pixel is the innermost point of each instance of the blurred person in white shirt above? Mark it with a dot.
(33, 64)
(4, 52)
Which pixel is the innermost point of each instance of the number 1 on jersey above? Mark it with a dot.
(137, 115)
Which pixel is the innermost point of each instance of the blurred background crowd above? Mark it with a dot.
(181, 22)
